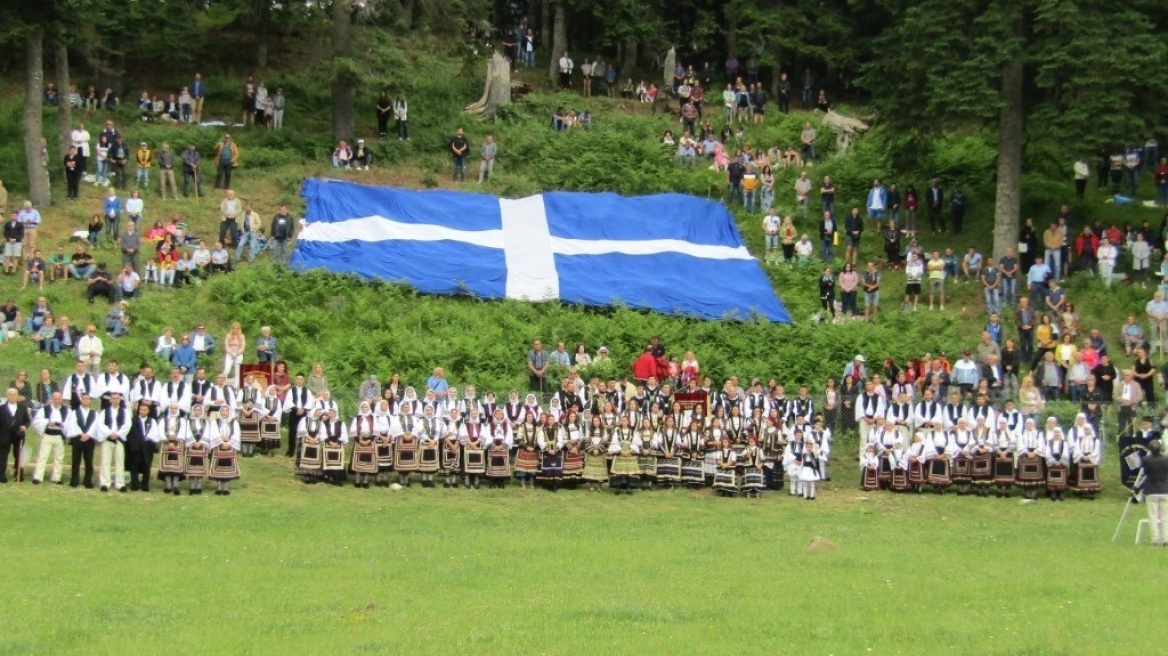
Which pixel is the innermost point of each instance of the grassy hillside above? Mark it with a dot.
(356, 328)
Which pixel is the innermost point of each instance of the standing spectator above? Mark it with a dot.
(261, 104)
(79, 139)
(1086, 248)
(827, 195)
(827, 291)
(527, 48)
(198, 92)
(827, 237)
(871, 283)
(280, 233)
(911, 203)
(807, 137)
(1131, 168)
(249, 235)
(384, 110)
(849, 280)
(803, 193)
(750, 189)
(936, 268)
(770, 227)
(13, 244)
(1082, 171)
(487, 162)
(234, 344)
(1107, 256)
(914, 270)
(112, 210)
(166, 171)
(459, 147)
(30, 219)
(957, 209)
(1157, 311)
(808, 87)
(560, 356)
(853, 233)
(130, 243)
(936, 198)
(226, 157)
(73, 173)
(191, 160)
(734, 174)
(1028, 243)
(1052, 241)
(1141, 254)
(537, 365)
(229, 209)
(565, 66)
(877, 203)
(248, 91)
(586, 73)
(1153, 483)
(1161, 175)
(145, 159)
(767, 180)
(102, 150)
(401, 115)
(134, 207)
(1008, 270)
(277, 103)
(185, 104)
(991, 282)
(119, 156)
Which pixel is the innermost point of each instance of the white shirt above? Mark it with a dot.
(134, 206)
(80, 141)
(770, 223)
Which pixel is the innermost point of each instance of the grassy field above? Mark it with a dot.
(280, 567)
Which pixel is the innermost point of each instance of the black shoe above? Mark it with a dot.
(123, 490)
(177, 492)
(226, 493)
(104, 488)
(145, 488)
(35, 482)
(73, 484)
(133, 487)
(58, 482)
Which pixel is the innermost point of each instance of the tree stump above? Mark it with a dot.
(496, 88)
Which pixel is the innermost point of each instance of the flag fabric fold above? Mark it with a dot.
(669, 253)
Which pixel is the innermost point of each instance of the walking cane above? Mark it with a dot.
(195, 174)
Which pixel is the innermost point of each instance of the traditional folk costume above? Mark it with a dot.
(196, 450)
(363, 461)
(624, 449)
(1132, 449)
(870, 469)
(270, 422)
(472, 436)
(51, 423)
(499, 451)
(250, 417)
(141, 442)
(527, 451)
(550, 442)
(171, 459)
(573, 451)
(693, 456)
(793, 462)
(405, 446)
(899, 468)
(1086, 454)
(773, 443)
(884, 437)
(1002, 442)
(332, 447)
(668, 460)
(310, 460)
(450, 453)
(647, 446)
(82, 432)
(982, 460)
(939, 458)
(962, 440)
(751, 463)
(596, 455)
(809, 474)
(225, 447)
(1058, 464)
(726, 477)
(917, 462)
(430, 434)
(822, 438)
(1030, 466)
(383, 442)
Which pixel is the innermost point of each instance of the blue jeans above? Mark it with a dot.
(1162, 194)
(993, 301)
(829, 204)
(1009, 290)
(277, 249)
(1054, 260)
(529, 59)
(460, 167)
(1037, 297)
(748, 199)
(103, 170)
(143, 177)
(82, 272)
(733, 189)
(826, 250)
(247, 239)
(768, 198)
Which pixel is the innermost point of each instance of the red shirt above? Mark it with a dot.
(1162, 174)
(645, 366)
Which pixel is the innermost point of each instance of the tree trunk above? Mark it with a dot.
(264, 21)
(629, 58)
(545, 26)
(559, 39)
(64, 110)
(342, 85)
(407, 14)
(34, 84)
(1007, 202)
(732, 35)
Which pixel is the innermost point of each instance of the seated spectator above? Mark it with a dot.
(147, 106)
(686, 153)
(34, 271)
(36, 317)
(721, 159)
(166, 344)
(1132, 335)
(361, 156)
(803, 250)
(629, 90)
(43, 337)
(220, 259)
(108, 100)
(9, 317)
(65, 340)
(58, 265)
(165, 262)
(709, 145)
(342, 155)
(185, 358)
(971, 264)
(952, 264)
(129, 282)
(202, 259)
(100, 284)
(184, 269)
(117, 322)
(559, 118)
(667, 138)
(155, 234)
(202, 341)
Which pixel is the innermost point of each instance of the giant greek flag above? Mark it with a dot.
(668, 253)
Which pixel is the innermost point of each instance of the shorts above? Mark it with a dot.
(772, 241)
(872, 299)
(875, 214)
(912, 289)
(853, 241)
(937, 285)
(13, 249)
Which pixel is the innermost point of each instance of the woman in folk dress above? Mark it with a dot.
(224, 451)
(624, 448)
(596, 454)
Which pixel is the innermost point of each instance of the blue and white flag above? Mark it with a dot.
(669, 253)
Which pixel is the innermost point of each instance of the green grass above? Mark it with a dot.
(281, 567)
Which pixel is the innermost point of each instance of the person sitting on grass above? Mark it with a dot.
(220, 259)
(58, 265)
(43, 338)
(117, 322)
(201, 257)
(342, 155)
(101, 284)
(129, 282)
(34, 271)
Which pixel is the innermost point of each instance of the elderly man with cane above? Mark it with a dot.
(1153, 485)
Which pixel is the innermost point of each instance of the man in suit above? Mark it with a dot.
(14, 422)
